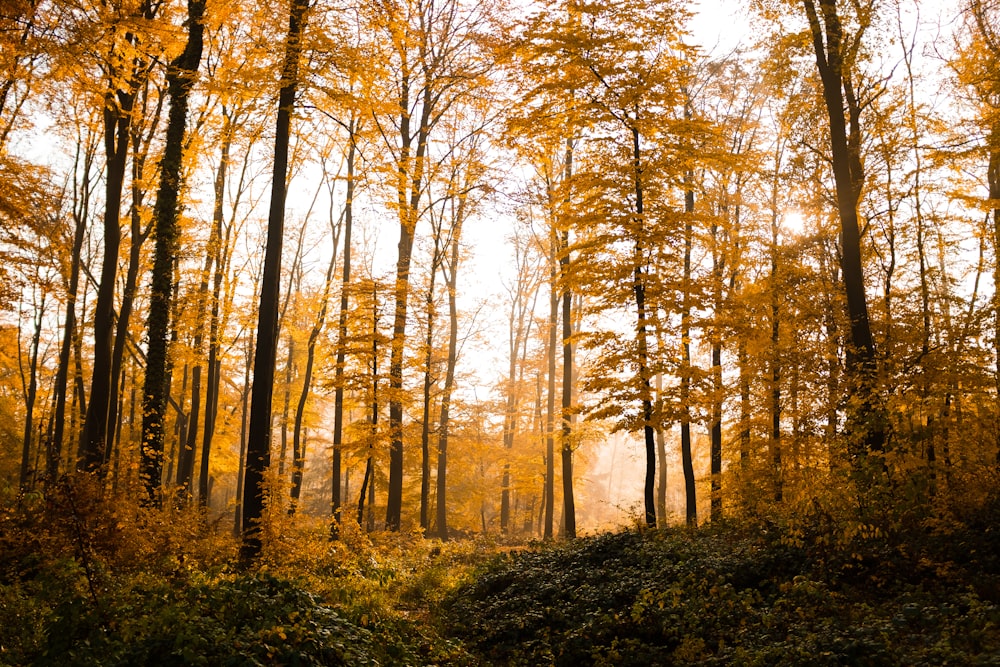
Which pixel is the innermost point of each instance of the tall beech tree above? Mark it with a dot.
(836, 50)
(258, 456)
(180, 80)
(126, 70)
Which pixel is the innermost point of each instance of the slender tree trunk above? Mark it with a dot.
(642, 344)
(411, 180)
(449, 384)
(510, 414)
(716, 447)
(368, 484)
(117, 117)
(191, 444)
(569, 505)
(661, 457)
(81, 208)
(30, 393)
(259, 440)
(218, 249)
(777, 473)
(687, 462)
(742, 360)
(118, 107)
(180, 78)
(425, 427)
(136, 240)
(553, 323)
(994, 185)
(286, 403)
(298, 446)
(244, 426)
(338, 382)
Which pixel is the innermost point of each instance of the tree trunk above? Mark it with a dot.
(569, 505)
(136, 240)
(80, 214)
(687, 463)
(425, 426)
(298, 446)
(661, 456)
(338, 382)
(550, 427)
(867, 422)
(117, 116)
(368, 484)
(645, 386)
(409, 213)
(777, 473)
(30, 393)
(259, 440)
(118, 107)
(218, 247)
(444, 423)
(244, 426)
(180, 81)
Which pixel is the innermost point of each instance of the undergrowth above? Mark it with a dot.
(813, 585)
(89, 580)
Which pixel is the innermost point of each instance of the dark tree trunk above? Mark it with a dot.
(30, 392)
(687, 462)
(645, 386)
(550, 419)
(409, 211)
(368, 484)
(219, 252)
(569, 505)
(338, 382)
(180, 78)
(742, 359)
(117, 116)
(286, 402)
(425, 427)
(244, 426)
(118, 107)
(136, 239)
(449, 384)
(259, 437)
(867, 422)
(80, 213)
(718, 268)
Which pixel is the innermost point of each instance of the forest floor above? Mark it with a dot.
(88, 583)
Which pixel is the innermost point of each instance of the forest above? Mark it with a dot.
(493, 332)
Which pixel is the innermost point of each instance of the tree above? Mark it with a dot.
(836, 51)
(258, 456)
(180, 80)
(83, 165)
(433, 59)
(520, 315)
(125, 71)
